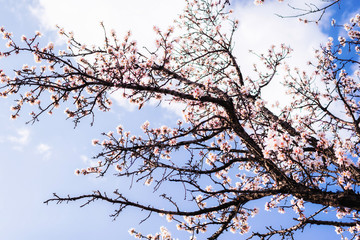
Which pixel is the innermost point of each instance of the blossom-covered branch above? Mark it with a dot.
(230, 148)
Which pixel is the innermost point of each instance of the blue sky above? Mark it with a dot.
(40, 159)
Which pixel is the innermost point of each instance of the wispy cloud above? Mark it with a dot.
(44, 150)
(20, 139)
(89, 162)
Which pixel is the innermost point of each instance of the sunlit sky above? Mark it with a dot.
(39, 159)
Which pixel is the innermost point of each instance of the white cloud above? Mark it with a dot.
(89, 162)
(259, 28)
(22, 136)
(84, 16)
(123, 102)
(44, 150)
